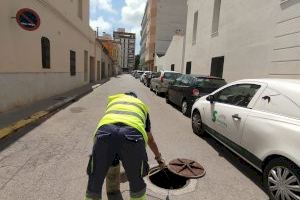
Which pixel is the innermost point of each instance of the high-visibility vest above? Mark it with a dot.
(128, 110)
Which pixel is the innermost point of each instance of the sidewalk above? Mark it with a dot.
(16, 119)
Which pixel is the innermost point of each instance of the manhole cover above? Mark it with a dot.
(186, 168)
(166, 179)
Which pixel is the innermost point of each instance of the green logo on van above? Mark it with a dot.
(214, 116)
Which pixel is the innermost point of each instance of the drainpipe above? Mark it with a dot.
(183, 53)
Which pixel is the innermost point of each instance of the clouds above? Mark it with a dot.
(105, 5)
(104, 26)
(133, 11)
(131, 16)
(109, 15)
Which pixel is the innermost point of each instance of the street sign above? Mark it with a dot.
(28, 19)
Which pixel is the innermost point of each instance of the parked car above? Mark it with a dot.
(133, 72)
(148, 77)
(161, 83)
(259, 120)
(143, 76)
(138, 74)
(187, 88)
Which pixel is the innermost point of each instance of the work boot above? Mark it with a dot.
(113, 183)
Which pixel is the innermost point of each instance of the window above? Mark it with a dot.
(272, 101)
(239, 95)
(80, 9)
(45, 52)
(171, 76)
(195, 27)
(188, 67)
(172, 67)
(216, 18)
(216, 68)
(178, 81)
(72, 63)
(185, 80)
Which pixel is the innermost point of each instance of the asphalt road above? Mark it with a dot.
(48, 161)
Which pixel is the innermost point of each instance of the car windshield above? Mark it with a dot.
(170, 75)
(209, 83)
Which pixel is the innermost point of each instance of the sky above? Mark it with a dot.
(109, 15)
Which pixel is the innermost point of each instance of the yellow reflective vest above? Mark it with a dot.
(128, 110)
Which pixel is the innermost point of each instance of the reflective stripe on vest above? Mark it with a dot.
(128, 110)
(125, 113)
(127, 103)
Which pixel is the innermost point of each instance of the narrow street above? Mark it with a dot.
(49, 160)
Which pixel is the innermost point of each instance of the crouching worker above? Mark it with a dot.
(122, 134)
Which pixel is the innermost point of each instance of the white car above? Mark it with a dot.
(259, 120)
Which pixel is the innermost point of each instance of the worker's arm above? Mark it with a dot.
(153, 146)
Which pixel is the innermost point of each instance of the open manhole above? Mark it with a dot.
(166, 179)
(177, 174)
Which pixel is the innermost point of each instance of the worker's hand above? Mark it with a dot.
(160, 161)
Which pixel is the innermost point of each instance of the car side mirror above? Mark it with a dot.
(211, 99)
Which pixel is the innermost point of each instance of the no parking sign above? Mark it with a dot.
(28, 19)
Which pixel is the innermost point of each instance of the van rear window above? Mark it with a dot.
(171, 76)
(209, 83)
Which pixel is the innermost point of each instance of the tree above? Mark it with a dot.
(137, 62)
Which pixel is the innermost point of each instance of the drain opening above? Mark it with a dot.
(167, 180)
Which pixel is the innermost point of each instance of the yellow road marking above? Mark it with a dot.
(22, 123)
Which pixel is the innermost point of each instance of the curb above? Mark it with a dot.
(4, 132)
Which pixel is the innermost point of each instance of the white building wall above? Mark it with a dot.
(171, 16)
(172, 56)
(257, 38)
(22, 78)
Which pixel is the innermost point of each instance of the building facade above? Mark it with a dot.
(59, 55)
(172, 60)
(127, 41)
(243, 39)
(114, 51)
(162, 19)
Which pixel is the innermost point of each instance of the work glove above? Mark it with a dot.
(161, 162)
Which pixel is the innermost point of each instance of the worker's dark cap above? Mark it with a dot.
(130, 93)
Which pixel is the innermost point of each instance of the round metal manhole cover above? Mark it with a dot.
(186, 168)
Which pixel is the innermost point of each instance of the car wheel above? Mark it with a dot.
(281, 179)
(156, 92)
(167, 99)
(197, 123)
(184, 107)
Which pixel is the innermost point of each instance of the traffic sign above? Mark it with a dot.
(28, 19)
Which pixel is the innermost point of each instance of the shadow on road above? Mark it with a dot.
(12, 138)
(250, 172)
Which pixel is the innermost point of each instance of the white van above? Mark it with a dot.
(259, 120)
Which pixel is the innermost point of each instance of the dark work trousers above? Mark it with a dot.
(124, 143)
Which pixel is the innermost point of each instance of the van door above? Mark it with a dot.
(230, 110)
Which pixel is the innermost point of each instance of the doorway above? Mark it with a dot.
(217, 64)
(92, 69)
(103, 70)
(98, 71)
(86, 57)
